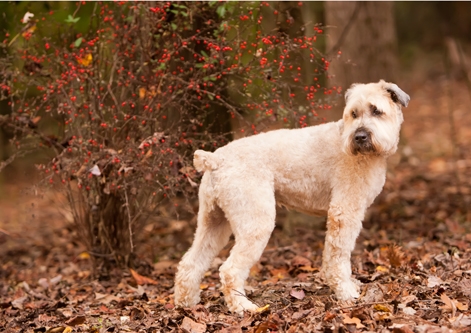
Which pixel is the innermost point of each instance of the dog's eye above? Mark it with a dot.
(377, 112)
(354, 114)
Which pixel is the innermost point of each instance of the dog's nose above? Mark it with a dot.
(361, 136)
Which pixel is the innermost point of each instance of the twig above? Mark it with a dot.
(129, 217)
(347, 28)
(242, 294)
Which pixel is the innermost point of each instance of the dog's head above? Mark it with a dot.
(372, 118)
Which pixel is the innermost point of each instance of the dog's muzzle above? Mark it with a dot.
(361, 142)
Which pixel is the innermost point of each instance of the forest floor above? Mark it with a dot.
(413, 256)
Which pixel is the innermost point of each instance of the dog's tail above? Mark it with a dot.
(205, 160)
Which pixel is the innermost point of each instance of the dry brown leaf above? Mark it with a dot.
(298, 294)
(356, 321)
(300, 261)
(263, 308)
(329, 316)
(402, 329)
(465, 286)
(141, 280)
(395, 255)
(192, 326)
(433, 281)
(460, 306)
(382, 269)
(266, 326)
(280, 273)
(449, 304)
(78, 320)
(381, 307)
(106, 298)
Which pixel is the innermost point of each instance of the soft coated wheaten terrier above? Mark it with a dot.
(336, 169)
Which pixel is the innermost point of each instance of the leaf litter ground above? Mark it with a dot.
(413, 257)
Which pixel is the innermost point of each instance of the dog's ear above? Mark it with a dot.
(349, 91)
(397, 95)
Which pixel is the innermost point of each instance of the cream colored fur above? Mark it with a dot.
(336, 169)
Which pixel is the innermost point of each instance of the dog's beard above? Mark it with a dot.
(372, 146)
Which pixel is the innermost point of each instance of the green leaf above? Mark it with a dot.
(174, 26)
(204, 54)
(78, 42)
(199, 65)
(179, 6)
(71, 19)
(221, 11)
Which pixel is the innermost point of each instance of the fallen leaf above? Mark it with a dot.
(449, 304)
(141, 279)
(301, 261)
(266, 326)
(300, 314)
(78, 320)
(381, 307)
(356, 321)
(280, 273)
(192, 326)
(18, 303)
(395, 255)
(329, 316)
(409, 311)
(84, 256)
(465, 287)
(382, 269)
(106, 298)
(401, 328)
(433, 281)
(298, 294)
(461, 321)
(460, 306)
(263, 308)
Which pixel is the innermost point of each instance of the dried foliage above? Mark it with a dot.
(122, 107)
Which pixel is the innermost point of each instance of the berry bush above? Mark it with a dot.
(122, 106)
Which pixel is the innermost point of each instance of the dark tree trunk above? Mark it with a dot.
(365, 34)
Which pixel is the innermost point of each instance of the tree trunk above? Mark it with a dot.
(364, 32)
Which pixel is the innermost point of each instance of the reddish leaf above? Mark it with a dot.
(140, 280)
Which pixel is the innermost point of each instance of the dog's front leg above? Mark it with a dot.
(343, 227)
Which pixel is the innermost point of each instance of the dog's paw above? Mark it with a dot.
(239, 304)
(185, 297)
(347, 290)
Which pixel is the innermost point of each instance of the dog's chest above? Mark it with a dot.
(305, 193)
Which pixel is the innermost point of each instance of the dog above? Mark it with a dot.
(335, 169)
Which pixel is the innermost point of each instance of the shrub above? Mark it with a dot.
(124, 104)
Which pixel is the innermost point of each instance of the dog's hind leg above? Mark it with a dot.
(251, 212)
(212, 234)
